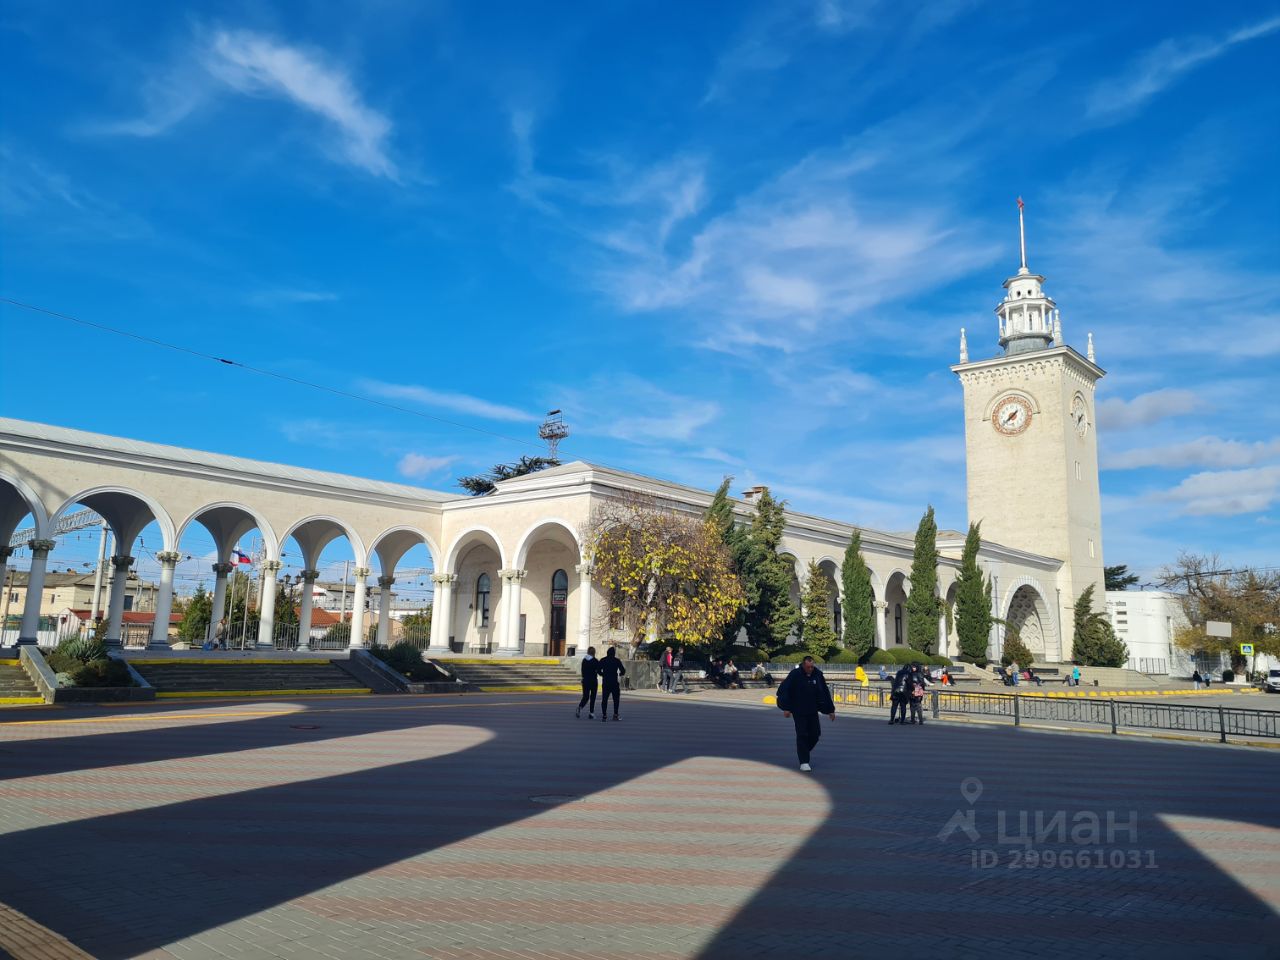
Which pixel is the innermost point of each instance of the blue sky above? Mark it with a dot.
(724, 238)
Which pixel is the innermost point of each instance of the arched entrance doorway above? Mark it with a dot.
(558, 625)
(1028, 616)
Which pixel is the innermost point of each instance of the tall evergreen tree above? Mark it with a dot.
(923, 606)
(195, 615)
(817, 634)
(1095, 643)
(771, 615)
(735, 537)
(973, 601)
(858, 605)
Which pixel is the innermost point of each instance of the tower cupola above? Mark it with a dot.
(1028, 316)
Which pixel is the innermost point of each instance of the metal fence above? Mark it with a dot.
(1213, 719)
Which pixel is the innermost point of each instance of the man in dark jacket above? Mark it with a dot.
(802, 696)
(900, 694)
(611, 669)
(590, 683)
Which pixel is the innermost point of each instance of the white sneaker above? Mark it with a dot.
(806, 768)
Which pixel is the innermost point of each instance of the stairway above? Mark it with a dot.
(174, 678)
(15, 686)
(514, 675)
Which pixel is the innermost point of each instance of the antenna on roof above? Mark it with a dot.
(553, 430)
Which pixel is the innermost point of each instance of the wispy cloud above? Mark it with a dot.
(1162, 66)
(457, 402)
(1201, 452)
(630, 408)
(279, 297)
(257, 65)
(1225, 493)
(1146, 408)
(415, 466)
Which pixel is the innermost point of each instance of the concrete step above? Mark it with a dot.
(15, 684)
(496, 674)
(204, 678)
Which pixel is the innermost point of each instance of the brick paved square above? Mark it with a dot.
(501, 827)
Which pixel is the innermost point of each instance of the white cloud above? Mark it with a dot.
(1146, 408)
(273, 298)
(1162, 66)
(1226, 493)
(256, 65)
(627, 407)
(1201, 452)
(458, 402)
(416, 466)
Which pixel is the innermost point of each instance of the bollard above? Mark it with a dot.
(933, 696)
(1113, 716)
(1017, 713)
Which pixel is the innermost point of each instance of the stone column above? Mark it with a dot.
(509, 644)
(120, 565)
(995, 642)
(164, 601)
(308, 579)
(882, 611)
(5, 553)
(357, 609)
(942, 634)
(442, 611)
(219, 608)
(585, 590)
(384, 610)
(267, 605)
(30, 628)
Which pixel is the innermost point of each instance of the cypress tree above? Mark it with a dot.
(771, 615)
(973, 601)
(816, 633)
(734, 535)
(859, 601)
(923, 606)
(1095, 643)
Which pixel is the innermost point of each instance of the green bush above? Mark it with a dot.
(1015, 649)
(405, 658)
(741, 654)
(938, 660)
(102, 673)
(82, 649)
(1228, 675)
(843, 656)
(881, 656)
(792, 656)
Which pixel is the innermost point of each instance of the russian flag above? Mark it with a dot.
(238, 557)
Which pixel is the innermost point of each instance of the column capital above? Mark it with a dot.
(6, 553)
(41, 546)
(882, 605)
(444, 579)
(361, 572)
(168, 556)
(585, 569)
(513, 574)
(121, 562)
(386, 583)
(222, 569)
(309, 576)
(272, 566)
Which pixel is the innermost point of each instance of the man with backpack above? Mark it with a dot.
(665, 680)
(611, 669)
(899, 694)
(917, 680)
(590, 677)
(802, 696)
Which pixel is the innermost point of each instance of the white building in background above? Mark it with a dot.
(509, 571)
(1146, 620)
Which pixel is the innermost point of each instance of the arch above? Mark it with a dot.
(35, 507)
(468, 538)
(158, 513)
(896, 591)
(413, 536)
(357, 545)
(268, 534)
(1027, 611)
(530, 536)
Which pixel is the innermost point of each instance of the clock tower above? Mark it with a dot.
(1031, 442)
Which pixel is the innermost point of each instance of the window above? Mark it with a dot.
(482, 600)
(1077, 469)
(897, 623)
(1092, 554)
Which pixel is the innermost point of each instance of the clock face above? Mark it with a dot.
(1012, 415)
(1080, 415)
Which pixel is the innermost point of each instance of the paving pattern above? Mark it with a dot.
(497, 826)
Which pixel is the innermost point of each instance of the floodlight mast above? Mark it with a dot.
(553, 430)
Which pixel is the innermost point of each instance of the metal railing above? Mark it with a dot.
(1214, 719)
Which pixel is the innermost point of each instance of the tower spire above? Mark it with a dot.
(1022, 237)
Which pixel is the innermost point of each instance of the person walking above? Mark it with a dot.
(1197, 679)
(665, 679)
(590, 683)
(611, 669)
(220, 634)
(1013, 672)
(899, 694)
(802, 696)
(677, 670)
(1075, 676)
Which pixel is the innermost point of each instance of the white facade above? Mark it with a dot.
(1146, 620)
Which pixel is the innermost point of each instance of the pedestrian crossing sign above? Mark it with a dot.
(1246, 649)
